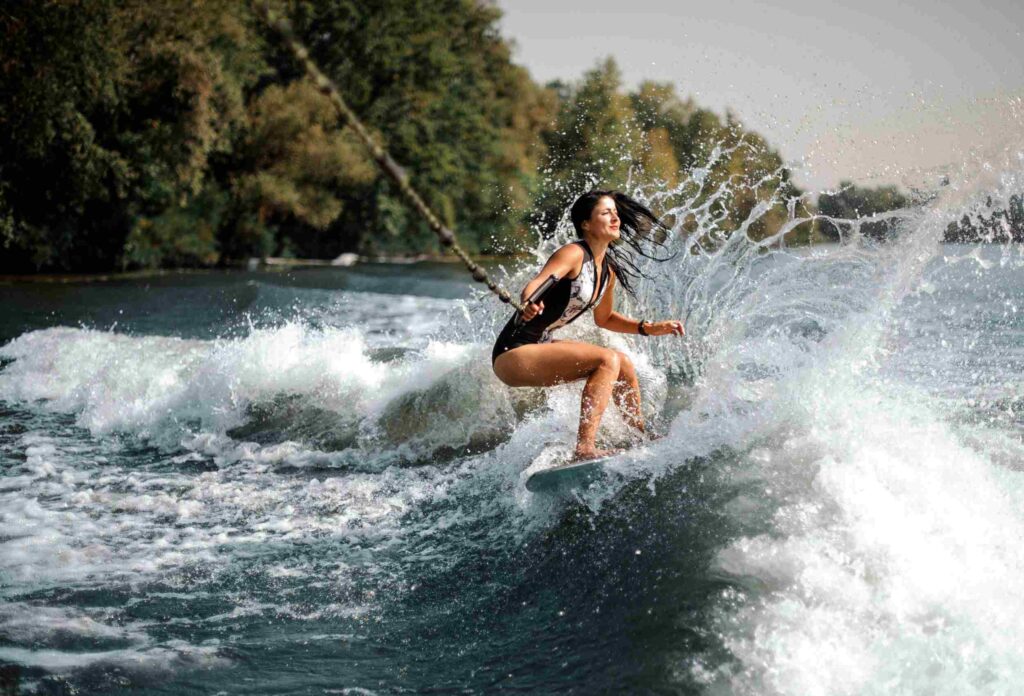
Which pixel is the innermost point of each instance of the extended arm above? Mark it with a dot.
(607, 318)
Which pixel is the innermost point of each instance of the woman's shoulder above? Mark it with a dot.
(572, 249)
(571, 256)
(571, 253)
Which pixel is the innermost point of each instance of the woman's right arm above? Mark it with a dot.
(564, 262)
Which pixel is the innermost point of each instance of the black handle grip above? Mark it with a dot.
(538, 294)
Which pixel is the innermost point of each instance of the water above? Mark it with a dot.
(312, 483)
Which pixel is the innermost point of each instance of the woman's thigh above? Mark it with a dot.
(547, 364)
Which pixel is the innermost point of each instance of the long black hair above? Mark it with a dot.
(638, 227)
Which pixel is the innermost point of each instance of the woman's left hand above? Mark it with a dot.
(664, 328)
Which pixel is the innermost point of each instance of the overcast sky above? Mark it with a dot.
(873, 90)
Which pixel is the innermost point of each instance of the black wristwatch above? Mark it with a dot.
(640, 328)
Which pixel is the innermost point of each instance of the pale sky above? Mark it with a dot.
(873, 90)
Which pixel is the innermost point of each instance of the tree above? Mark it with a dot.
(1000, 226)
(115, 113)
(291, 163)
(853, 207)
(595, 142)
(651, 138)
(436, 81)
(193, 66)
(177, 133)
(61, 72)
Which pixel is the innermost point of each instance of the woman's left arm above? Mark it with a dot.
(607, 318)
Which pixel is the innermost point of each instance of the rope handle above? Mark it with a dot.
(283, 28)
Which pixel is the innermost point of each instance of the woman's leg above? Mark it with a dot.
(627, 393)
(548, 364)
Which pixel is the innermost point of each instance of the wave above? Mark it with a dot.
(875, 510)
(319, 386)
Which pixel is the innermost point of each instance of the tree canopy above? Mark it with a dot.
(176, 133)
(859, 205)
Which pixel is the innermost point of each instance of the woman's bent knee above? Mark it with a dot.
(626, 368)
(610, 361)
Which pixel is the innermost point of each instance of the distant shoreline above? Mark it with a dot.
(272, 263)
(283, 264)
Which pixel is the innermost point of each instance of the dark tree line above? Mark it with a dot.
(999, 226)
(167, 133)
(174, 132)
(861, 209)
(864, 210)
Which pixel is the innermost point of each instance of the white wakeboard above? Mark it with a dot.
(556, 471)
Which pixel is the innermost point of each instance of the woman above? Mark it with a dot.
(524, 354)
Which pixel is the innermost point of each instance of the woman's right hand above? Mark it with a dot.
(531, 310)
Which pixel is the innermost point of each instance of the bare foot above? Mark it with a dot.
(585, 453)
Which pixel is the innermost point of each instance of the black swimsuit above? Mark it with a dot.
(563, 304)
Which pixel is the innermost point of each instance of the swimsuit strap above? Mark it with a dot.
(598, 283)
(588, 255)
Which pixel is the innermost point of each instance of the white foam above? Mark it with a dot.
(33, 623)
(169, 391)
(899, 566)
(888, 558)
(107, 525)
(171, 655)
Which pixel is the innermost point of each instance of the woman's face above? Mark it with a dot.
(604, 220)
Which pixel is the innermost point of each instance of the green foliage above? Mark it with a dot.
(291, 164)
(436, 81)
(176, 132)
(183, 235)
(595, 141)
(860, 204)
(607, 138)
(59, 74)
(116, 110)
